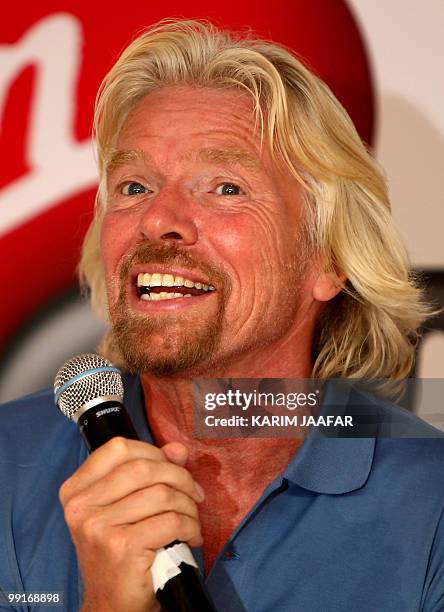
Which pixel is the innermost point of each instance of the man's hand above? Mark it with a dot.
(127, 500)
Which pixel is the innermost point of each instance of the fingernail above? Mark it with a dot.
(200, 492)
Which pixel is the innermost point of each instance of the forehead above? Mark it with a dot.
(205, 101)
(222, 122)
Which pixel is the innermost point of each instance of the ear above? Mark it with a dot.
(328, 285)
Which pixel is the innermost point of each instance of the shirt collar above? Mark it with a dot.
(135, 405)
(332, 465)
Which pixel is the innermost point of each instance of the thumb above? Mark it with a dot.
(176, 452)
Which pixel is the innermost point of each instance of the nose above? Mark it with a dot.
(169, 217)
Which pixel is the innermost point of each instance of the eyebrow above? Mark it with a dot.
(120, 157)
(228, 156)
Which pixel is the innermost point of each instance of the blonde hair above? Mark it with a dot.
(370, 328)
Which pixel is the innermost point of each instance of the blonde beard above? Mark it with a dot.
(131, 336)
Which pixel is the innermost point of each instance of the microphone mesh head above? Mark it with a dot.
(83, 382)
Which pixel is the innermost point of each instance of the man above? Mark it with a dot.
(242, 231)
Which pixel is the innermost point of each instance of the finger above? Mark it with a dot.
(162, 529)
(103, 460)
(137, 475)
(176, 452)
(158, 499)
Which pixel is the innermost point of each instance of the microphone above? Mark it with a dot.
(88, 389)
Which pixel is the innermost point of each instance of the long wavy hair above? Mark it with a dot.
(369, 330)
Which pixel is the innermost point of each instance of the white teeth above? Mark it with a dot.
(156, 280)
(145, 279)
(188, 295)
(167, 280)
(163, 295)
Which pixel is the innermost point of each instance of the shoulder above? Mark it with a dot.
(39, 404)
(408, 450)
(390, 419)
(33, 431)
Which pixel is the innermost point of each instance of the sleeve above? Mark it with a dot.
(433, 593)
(10, 577)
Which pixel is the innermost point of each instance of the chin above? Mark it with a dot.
(165, 355)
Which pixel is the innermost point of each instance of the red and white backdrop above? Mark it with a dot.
(383, 61)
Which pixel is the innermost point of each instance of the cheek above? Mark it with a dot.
(252, 246)
(113, 241)
(256, 240)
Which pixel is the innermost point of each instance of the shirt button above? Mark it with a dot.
(229, 555)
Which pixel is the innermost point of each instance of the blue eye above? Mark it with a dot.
(228, 189)
(133, 189)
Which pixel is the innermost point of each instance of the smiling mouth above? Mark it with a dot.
(155, 287)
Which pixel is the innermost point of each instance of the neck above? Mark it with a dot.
(227, 469)
(169, 401)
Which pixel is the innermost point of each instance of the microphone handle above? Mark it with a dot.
(186, 591)
(105, 421)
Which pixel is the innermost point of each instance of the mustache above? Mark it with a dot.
(145, 253)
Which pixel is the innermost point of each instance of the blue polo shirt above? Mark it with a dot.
(350, 525)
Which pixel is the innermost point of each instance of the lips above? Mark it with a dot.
(156, 286)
